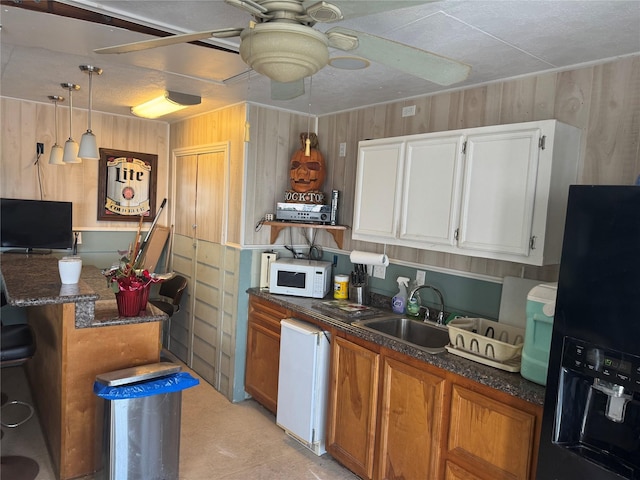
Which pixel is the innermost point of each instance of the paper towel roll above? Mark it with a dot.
(367, 258)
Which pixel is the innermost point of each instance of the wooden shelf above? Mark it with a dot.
(336, 231)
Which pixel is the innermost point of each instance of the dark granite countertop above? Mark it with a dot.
(33, 280)
(511, 383)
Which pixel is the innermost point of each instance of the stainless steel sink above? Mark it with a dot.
(426, 336)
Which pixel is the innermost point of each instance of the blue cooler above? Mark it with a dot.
(541, 305)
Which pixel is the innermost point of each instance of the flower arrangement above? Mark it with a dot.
(128, 277)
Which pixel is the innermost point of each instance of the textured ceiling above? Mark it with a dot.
(499, 39)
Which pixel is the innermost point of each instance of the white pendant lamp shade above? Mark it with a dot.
(88, 149)
(57, 152)
(71, 146)
(57, 155)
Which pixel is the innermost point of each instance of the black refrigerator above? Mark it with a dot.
(591, 420)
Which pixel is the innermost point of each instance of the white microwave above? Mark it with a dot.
(299, 277)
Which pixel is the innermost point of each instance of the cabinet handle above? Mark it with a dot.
(542, 143)
(455, 234)
(532, 242)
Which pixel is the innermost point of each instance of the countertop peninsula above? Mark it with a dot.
(33, 280)
(512, 383)
(70, 353)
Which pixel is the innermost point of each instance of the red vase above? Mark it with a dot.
(129, 302)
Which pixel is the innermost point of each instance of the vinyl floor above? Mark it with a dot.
(219, 439)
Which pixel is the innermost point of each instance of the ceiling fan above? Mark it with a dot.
(281, 44)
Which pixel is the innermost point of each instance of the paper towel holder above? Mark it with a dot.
(265, 267)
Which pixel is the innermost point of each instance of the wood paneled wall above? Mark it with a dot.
(602, 100)
(26, 123)
(226, 125)
(275, 136)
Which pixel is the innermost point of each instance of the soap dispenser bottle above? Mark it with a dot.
(399, 301)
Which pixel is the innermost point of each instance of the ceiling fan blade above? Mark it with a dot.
(360, 8)
(423, 64)
(170, 40)
(287, 90)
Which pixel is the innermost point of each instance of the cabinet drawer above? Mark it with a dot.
(266, 313)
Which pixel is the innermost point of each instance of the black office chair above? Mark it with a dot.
(17, 345)
(171, 293)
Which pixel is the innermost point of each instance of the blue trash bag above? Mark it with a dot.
(157, 386)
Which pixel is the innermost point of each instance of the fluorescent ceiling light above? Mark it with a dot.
(167, 103)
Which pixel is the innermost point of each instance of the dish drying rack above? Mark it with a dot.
(485, 341)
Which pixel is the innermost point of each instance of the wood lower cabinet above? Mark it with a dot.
(391, 416)
(353, 400)
(411, 422)
(394, 417)
(455, 472)
(494, 439)
(263, 351)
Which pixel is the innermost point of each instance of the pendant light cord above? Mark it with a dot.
(55, 110)
(70, 112)
(90, 99)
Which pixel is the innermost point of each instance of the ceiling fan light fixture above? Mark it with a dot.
(284, 52)
(165, 104)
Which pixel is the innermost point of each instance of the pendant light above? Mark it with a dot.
(57, 151)
(88, 144)
(71, 146)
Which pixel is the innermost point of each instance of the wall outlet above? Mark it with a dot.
(39, 148)
(343, 150)
(78, 237)
(379, 271)
(420, 277)
(409, 111)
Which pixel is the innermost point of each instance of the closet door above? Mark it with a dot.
(198, 254)
(183, 252)
(209, 267)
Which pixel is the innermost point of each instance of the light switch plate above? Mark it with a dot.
(420, 277)
(343, 150)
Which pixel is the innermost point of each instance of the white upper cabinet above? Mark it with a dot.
(433, 172)
(495, 192)
(378, 181)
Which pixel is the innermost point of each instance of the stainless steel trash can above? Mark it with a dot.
(140, 421)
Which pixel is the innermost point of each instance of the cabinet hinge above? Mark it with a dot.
(464, 147)
(542, 142)
(532, 242)
(455, 234)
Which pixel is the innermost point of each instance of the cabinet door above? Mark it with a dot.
(499, 191)
(431, 191)
(455, 472)
(410, 422)
(353, 400)
(491, 438)
(263, 352)
(378, 180)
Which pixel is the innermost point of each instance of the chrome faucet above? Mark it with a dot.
(440, 319)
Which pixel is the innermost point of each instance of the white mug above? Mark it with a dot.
(70, 269)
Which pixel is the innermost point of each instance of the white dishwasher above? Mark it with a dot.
(303, 383)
